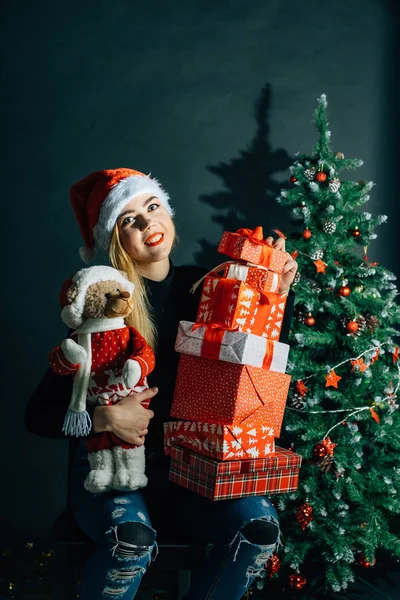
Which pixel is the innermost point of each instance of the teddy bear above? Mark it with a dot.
(108, 360)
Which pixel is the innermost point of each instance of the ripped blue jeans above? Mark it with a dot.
(244, 533)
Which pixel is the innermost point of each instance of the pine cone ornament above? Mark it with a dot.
(317, 254)
(334, 185)
(329, 227)
(296, 400)
(372, 323)
(297, 278)
(309, 173)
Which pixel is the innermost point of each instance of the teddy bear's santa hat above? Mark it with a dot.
(99, 198)
(72, 312)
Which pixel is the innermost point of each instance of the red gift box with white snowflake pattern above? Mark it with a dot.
(233, 304)
(222, 480)
(250, 438)
(259, 278)
(249, 246)
(225, 393)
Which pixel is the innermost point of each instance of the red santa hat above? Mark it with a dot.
(99, 198)
(72, 312)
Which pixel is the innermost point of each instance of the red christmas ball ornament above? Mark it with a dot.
(319, 451)
(364, 562)
(345, 291)
(273, 565)
(304, 515)
(356, 232)
(309, 320)
(293, 179)
(320, 176)
(307, 234)
(297, 581)
(352, 326)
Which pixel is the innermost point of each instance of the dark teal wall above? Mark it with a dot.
(171, 89)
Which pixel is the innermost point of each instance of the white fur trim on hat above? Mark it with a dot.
(72, 313)
(119, 196)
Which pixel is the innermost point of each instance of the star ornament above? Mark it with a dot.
(329, 445)
(301, 388)
(360, 364)
(332, 379)
(395, 355)
(321, 266)
(375, 357)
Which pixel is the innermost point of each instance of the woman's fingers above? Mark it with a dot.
(279, 244)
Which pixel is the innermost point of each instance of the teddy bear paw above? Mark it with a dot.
(128, 481)
(73, 352)
(131, 373)
(99, 482)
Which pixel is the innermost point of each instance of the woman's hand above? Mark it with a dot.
(128, 419)
(290, 268)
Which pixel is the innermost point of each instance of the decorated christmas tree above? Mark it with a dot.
(342, 414)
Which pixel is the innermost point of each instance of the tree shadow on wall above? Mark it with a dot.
(250, 187)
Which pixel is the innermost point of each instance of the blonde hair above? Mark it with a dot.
(140, 317)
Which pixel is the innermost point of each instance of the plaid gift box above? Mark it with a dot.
(232, 304)
(277, 474)
(260, 278)
(231, 346)
(248, 439)
(219, 392)
(248, 245)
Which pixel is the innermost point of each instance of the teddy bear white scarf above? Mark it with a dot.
(77, 421)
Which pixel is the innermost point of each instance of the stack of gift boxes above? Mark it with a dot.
(231, 386)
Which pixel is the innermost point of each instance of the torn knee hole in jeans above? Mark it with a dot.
(265, 549)
(125, 575)
(125, 550)
(115, 592)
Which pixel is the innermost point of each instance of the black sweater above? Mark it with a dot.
(171, 302)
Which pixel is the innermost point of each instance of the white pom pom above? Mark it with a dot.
(87, 254)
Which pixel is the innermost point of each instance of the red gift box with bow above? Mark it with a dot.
(231, 346)
(249, 245)
(235, 305)
(222, 480)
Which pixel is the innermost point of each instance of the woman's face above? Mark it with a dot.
(146, 230)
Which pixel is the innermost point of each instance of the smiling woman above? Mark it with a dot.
(129, 215)
(147, 233)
